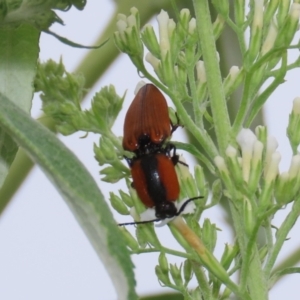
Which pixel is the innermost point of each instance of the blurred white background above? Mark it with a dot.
(43, 252)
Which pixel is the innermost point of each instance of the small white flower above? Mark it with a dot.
(295, 166)
(184, 13)
(234, 72)
(246, 139)
(273, 168)
(192, 25)
(131, 21)
(152, 60)
(257, 150)
(231, 151)
(296, 106)
(121, 25)
(201, 74)
(163, 20)
(258, 14)
(272, 145)
(220, 163)
(271, 37)
(171, 27)
(139, 85)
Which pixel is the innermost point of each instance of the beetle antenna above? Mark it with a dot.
(186, 203)
(139, 222)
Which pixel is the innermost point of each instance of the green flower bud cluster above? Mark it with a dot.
(174, 54)
(35, 12)
(172, 276)
(61, 95)
(252, 179)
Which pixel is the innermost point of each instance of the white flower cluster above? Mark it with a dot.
(255, 173)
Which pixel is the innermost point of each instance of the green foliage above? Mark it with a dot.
(38, 13)
(242, 165)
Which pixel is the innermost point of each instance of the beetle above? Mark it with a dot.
(156, 183)
(147, 124)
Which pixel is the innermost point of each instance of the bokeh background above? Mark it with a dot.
(44, 254)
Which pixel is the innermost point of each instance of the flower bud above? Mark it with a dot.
(164, 43)
(108, 149)
(270, 38)
(282, 188)
(270, 177)
(201, 73)
(126, 198)
(218, 26)
(289, 25)
(150, 40)
(187, 182)
(233, 80)
(261, 133)
(162, 277)
(146, 234)
(127, 37)
(256, 166)
(118, 204)
(293, 131)
(271, 146)
(256, 31)
(234, 166)
(217, 192)
(201, 184)
(224, 172)
(248, 216)
(246, 139)
(229, 254)
(112, 175)
(282, 11)
(209, 235)
(176, 275)
(130, 241)
(163, 263)
(273, 168)
(187, 271)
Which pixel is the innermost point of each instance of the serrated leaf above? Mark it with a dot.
(79, 191)
(19, 53)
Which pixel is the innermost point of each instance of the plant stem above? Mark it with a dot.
(202, 280)
(207, 259)
(281, 236)
(213, 74)
(254, 281)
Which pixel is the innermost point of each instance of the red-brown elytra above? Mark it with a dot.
(147, 124)
(156, 183)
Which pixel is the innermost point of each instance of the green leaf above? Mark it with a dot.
(19, 53)
(38, 13)
(78, 189)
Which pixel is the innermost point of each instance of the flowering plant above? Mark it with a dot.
(238, 164)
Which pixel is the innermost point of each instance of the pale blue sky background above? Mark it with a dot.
(43, 252)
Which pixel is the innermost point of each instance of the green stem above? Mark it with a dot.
(254, 282)
(202, 280)
(282, 233)
(163, 249)
(213, 74)
(196, 105)
(263, 97)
